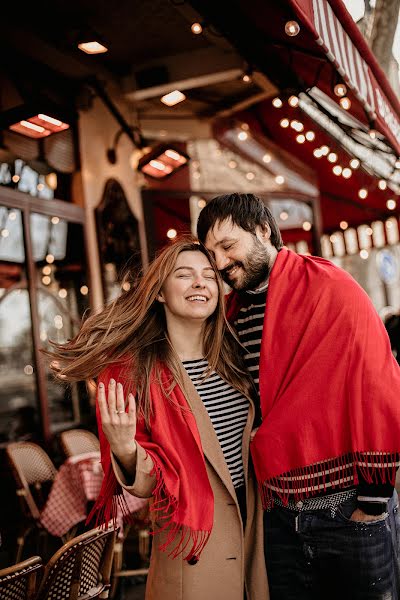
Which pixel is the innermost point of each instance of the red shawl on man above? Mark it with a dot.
(329, 384)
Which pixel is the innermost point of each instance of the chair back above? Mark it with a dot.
(19, 581)
(80, 569)
(31, 465)
(79, 441)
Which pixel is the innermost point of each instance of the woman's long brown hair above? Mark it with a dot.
(132, 330)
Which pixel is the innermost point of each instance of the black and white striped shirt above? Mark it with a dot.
(249, 326)
(228, 410)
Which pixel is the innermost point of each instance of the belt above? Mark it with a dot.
(329, 502)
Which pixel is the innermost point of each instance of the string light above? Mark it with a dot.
(340, 90)
(15, 178)
(372, 134)
(354, 163)
(55, 220)
(277, 102)
(201, 203)
(391, 204)
(300, 139)
(267, 158)
(84, 290)
(232, 164)
(369, 231)
(62, 293)
(46, 280)
(5, 233)
(332, 157)
(347, 173)
(324, 150)
(317, 153)
(343, 225)
(296, 125)
(246, 78)
(345, 103)
(362, 193)
(310, 136)
(284, 216)
(284, 123)
(382, 185)
(364, 254)
(333, 238)
(280, 179)
(307, 226)
(46, 270)
(126, 286)
(245, 126)
(293, 101)
(50, 258)
(242, 136)
(12, 216)
(196, 28)
(292, 28)
(337, 170)
(250, 176)
(172, 233)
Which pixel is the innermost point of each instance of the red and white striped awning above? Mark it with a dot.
(339, 37)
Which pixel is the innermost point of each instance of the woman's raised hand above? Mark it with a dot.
(119, 424)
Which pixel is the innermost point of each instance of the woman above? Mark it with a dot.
(175, 416)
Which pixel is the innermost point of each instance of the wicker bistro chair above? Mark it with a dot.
(79, 441)
(19, 581)
(80, 569)
(31, 466)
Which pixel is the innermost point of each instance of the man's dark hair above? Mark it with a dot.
(245, 210)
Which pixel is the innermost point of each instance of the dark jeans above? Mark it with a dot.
(312, 556)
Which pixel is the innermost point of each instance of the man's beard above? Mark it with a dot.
(255, 268)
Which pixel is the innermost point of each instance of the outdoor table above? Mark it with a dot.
(78, 482)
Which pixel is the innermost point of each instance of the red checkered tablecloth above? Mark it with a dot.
(77, 482)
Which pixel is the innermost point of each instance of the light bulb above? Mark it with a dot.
(364, 254)
(391, 204)
(347, 173)
(284, 123)
(317, 153)
(340, 90)
(382, 184)
(324, 150)
(344, 225)
(345, 103)
(277, 102)
(292, 28)
(332, 157)
(337, 170)
(293, 101)
(196, 28)
(300, 139)
(362, 193)
(172, 233)
(354, 163)
(242, 136)
(310, 136)
(307, 226)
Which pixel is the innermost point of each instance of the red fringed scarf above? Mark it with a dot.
(183, 501)
(329, 385)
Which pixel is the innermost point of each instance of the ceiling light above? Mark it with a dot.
(307, 226)
(277, 102)
(293, 101)
(292, 28)
(36, 121)
(382, 184)
(347, 173)
(340, 90)
(391, 204)
(284, 123)
(362, 193)
(310, 136)
(173, 98)
(354, 163)
(161, 161)
(345, 103)
(280, 179)
(196, 28)
(343, 225)
(337, 170)
(92, 47)
(172, 233)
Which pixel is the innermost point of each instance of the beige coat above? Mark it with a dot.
(230, 560)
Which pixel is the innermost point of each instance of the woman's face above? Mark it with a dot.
(190, 292)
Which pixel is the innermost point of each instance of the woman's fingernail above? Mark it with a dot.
(112, 382)
(101, 386)
(119, 386)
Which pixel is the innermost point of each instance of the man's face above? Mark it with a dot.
(243, 258)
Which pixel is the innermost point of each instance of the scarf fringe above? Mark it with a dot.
(332, 474)
(164, 506)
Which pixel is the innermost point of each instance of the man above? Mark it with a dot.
(327, 449)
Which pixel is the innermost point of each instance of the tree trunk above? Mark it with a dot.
(386, 16)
